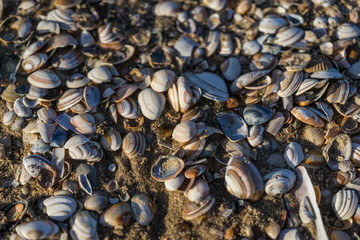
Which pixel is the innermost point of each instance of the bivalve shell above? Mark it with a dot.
(199, 191)
(166, 168)
(100, 74)
(96, 201)
(34, 163)
(34, 62)
(271, 23)
(84, 123)
(194, 210)
(288, 35)
(257, 114)
(117, 216)
(242, 179)
(60, 207)
(180, 95)
(111, 140)
(347, 30)
(279, 181)
(143, 208)
(307, 116)
(83, 226)
(162, 80)
(231, 68)
(233, 126)
(184, 131)
(151, 103)
(345, 203)
(134, 144)
(40, 229)
(293, 154)
(44, 78)
(216, 5)
(167, 8)
(338, 149)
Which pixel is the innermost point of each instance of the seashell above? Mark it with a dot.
(70, 98)
(100, 74)
(111, 140)
(174, 183)
(15, 211)
(63, 17)
(194, 210)
(86, 39)
(327, 48)
(248, 78)
(166, 168)
(44, 78)
(34, 163)
(257, 114)
(96, 201)
(61, 41)
(77, 80)
(355, 154)
(293, 154)
(226, 45)
(250, 48)
(212, 42)
(92, 96)
(194, 148)
(46, 131)
(295, 19)
(117, 216)
(66, 3)
(255, 136)
(290, 234)
(60, 208)
(243, 6)
(67, 60)
(40, 146)
(162, 80)
(45, 26)
(344, 204)
(134, 144)
(290, 83)
(233, 126)
(199, 191)
(128, 109)
(306, 85)
(213, 21)
(331, 73)
(271, 23)
(180, 95)
(337, 235)
(185, 47)
(199, 14)
(347, 30)
(354, 71)
(184, 131)
(83, 226)
(194, 171)
(275, 124)
(20, 109)
(167, 8)
(40, 229)
(186, 25)
(242, 179)
(143, 208)
(112, 186)
(338, 149)
(46, 115)
(279, 182)
(307, 116)
(151, 103)
(288, 35)
(231, 68)
(240, 148)
(216, 5)
(85, 184)
(262, 61)
(124, 91)
(84, 123)
(8, 118)
(33, 48)
(34, 62)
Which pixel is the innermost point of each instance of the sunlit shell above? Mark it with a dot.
(194, 210)
(307, 116)
(118, 215)
(212, 42)
(84, 123)
(63, 17)
(167, 8)
(143, 208)
(162, 80)
(40, 229)
(83, 226)
(44, 27)
(199, 191)
(288, 35)
(167, 168)
(257, 114)
(33, 48)
(233, 126)
(61, 41)
(216, 5)
(70, 98)
(151, 103)
(271, 23)
(77, 80)
(66, 3)
(100, 74)
(339, 149)
(134, 144)
(293, 154)
(44, 78)
(338, 92)
(60, 208)
(347, 30)
(96, 201)
(242, 179)
(344, 204)
(34, 62)
(34, 163)
(111, 140)
(184, 131)
(279, 181)
(180, 95)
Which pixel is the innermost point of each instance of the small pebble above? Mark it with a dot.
(272, 230)
(112, 167)
(276, 160)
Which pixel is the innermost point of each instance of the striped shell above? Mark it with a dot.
(345, 203)
(60, 207)
(151, 103)
(40, 229)
(279, 181)
(134, 144)
(44, 78)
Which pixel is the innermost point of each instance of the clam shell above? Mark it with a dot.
(33, 48)
(347, 30)
(8, 118)
(199, 191)
(83, 226)
(124, 91)
(20, 109)
(111, 140)
(34, 163)
(96, 201)
(250, 48)
(271, 23)
(60, 208)
(212, 86)
(128, 108)
(354, 71)
(257, 114)
(242, 179)
(44, 78)
(151, 103)
(167, 8)
(255, 136)
(233, 126)
(331, 73)
(263, 61)
(338, 92)
(249, 78)
(134, 144)
(46, 131)
(180, 95)
(318, 63)
(290, 83)
(212, 42)
(34, 62)
(40, 229)
(44, 27)
(174, 183)
(77, 80)
(338, 149)
(288, 35)
(100, 74)
(279, 182)
(231, 68)
(194, 210)
(162, 80)
(118, 215)
(185, 46)
(63, 17)
(166, 168)
(275, 124)
(184, 131)
(293, 154)
(69, 60)
(307, 116)
(143, 208)
(84, 123)
(46, 115)
(226, 45)
(76, 141)
(240, 148)
(345, 203)
(216, 5)
(92, 96)
(194, 148)
(61, 41)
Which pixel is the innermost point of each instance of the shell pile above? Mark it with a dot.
(254, 97)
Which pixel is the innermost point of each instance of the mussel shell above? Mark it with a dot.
(257, 114)
(233, 126)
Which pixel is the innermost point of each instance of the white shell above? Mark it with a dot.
(60, 207)
(199, 191)
(151, 103)
(347, 30)
(180, 95)
(44, 78)
(184, 131)
(288, 35)
(100, 74)
(34, 163)
(345, 203)
(83, 226)
(293, 154)
(63, 17)
(216, 5)
(44, 27)
(40, 229)
(271, 23)
(279, 181)
(167, 8)
(162, 80)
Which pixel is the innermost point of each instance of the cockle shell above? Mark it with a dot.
(134, 144)
(151, 103)
(242, 179)
(279, 181)
(143, 208)
(293, 154)
(40, 229)
(60, 207)
(212, 86)
(83, 226)
(44, 78)
(345, 203)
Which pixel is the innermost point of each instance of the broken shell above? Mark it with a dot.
(184, 131)
(60, 208)
(40, 229)
(233, 126)
(338, 92)
(151, 103)
(339, 149)
(34, 163)
(166, 168)
(143, 208)
(307, 116)
(118, 215)
(288, 35)
(162, 80)
(242, 179)
(257, 114)
(345, 203)
(134, 144)
(293, 154)
(83, 226)
(33, 48)
(44, 78)
(212, 42)
(279, 182)
(96, 201)
(193, 210)
(275, 124)
(347, 30)
(199, 191)
(249, 78)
